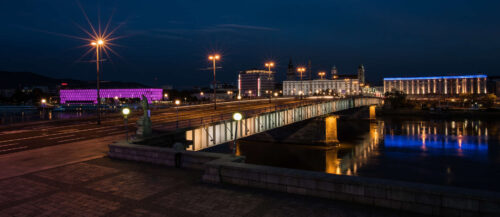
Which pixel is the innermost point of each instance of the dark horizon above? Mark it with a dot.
(170, 41)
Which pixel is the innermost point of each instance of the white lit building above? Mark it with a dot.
(438, 85)
(337, 85)
(347, 86)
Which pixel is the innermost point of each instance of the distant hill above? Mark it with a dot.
(13, 80)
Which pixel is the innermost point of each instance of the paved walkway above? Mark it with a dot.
(19, 163)
(106, 187)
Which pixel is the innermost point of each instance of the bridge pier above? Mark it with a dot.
(331, 130)
(372, 112)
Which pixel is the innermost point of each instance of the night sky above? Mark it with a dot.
(170, 40)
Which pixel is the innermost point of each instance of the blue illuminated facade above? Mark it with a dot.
(437, 85)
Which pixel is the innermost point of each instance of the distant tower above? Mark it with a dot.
(309, 69)
(361, 74)
(335, 72)
(290, 74)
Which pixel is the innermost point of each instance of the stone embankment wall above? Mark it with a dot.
(419, 198)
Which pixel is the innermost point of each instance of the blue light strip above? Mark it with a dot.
(436, 77)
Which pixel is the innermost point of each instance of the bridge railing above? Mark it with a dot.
(265, 119)
(207, 120)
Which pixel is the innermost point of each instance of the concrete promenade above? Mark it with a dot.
(106, 187)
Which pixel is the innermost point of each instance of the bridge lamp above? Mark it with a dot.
(126, 112)
(237, 117)
(177, 103)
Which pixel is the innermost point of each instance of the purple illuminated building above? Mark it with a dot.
(82, 96)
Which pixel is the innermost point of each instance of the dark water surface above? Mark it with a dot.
(454, 152)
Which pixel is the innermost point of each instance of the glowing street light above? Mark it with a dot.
(43, 101)
(301, 71)
(98, 44)
(269, 65)
(214, 58)
(237, 117)
(322, 74)
(126, 112)
(177, 103)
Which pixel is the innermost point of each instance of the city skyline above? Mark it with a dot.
(171, 41)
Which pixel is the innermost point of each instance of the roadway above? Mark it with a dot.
(28, 136)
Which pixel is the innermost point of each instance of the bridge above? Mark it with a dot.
(253, 122)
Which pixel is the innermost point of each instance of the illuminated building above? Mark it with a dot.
(89, 96)
(334, 84)
(437, 85)
(255, 82)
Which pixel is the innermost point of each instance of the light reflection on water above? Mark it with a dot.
(456, 152)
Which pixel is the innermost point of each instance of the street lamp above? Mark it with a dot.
(301, 71)
(126, 112)
(214, 58)
(98, 44)
(237, 117)
(43, 101)
(177, 103)
(321, 74)
(269, 65)
(165, 96)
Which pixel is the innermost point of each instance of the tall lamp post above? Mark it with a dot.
(269, 65)
(44, 103)
(237, 117)
(321, 75)
(126, 112)
(214, 58)
(98, 45)
(177, 103)
(301, 71)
